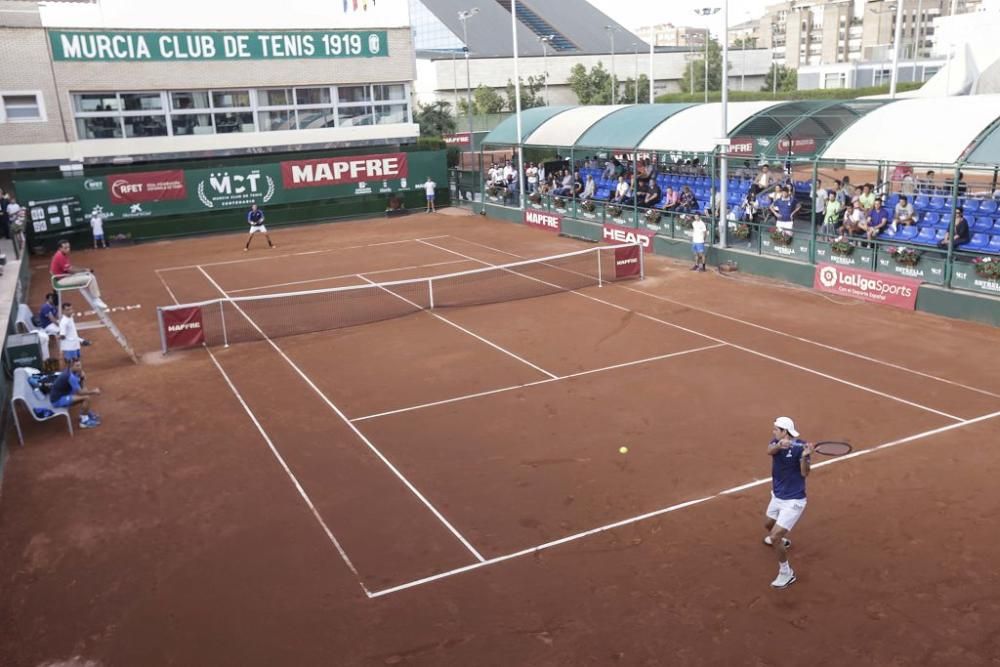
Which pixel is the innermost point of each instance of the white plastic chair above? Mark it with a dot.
(25, 393)
(24, 323)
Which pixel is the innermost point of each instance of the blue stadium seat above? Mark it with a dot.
(944, 222)
(982, 225)
(936, 203)
(988, 207)
(906, 233)
(977, 242)
(927, 236)
(921, 202)
(891, 201)
(930, 218)
(970, 207)
(994, 245)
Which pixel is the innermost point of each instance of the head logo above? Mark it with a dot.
(828, 276)
(618, 235)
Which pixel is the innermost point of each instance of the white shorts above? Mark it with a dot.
(258, 229)
(786, 513)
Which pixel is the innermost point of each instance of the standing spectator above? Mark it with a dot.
(68, 390)
(903, 215)
(65, 275)
(532, 174)
(255, 218)
(15, 218)
(764, 180)
(508, 171)
(784, 209)
(831, 212)
(927, 184)
(878, 218)
(430, 190)
(699, 232)
(97, 227)
(846, 192)
(609, 171)
(69, 338)
(961, 235)
(4, 220)
(818, 196)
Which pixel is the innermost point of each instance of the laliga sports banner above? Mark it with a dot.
(887, 289)
(615, 234)
(627, 262)
(182, 327)
(550, 222)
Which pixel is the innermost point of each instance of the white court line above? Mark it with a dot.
(418, 308)
(281, 461)
(501, 390)
(775, 331)
(361, 436)
(263, 258)
(346, 275)
(666, 510)
(748, 350)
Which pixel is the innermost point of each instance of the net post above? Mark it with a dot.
(222, 316)
(642, 262)
(600, 277)
(430, 291)
(163, 331)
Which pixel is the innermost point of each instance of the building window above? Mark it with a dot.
(21, 107)
(881, 77)
(100, 115)
(835, 80)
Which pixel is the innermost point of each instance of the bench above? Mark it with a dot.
(25, 393)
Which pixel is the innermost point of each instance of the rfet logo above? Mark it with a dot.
(548, 221)
(343, 170)
(614, 234)
(874, 287)
(145, 186)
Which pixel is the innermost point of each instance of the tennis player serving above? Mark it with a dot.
(790, 462)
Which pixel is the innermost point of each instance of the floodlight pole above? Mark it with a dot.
(636, 47)
(897, 38)
(652, 42)
(723, 164)
(545, 62)
(464, 16)
(614, 88)
(517, 107)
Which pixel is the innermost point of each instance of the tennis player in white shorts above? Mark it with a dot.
(255, 218)
(790, 465)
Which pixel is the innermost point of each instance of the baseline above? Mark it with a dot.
(672, 508)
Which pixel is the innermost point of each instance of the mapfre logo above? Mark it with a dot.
(186, 326)
(828, 276)
(627, 262)
(548, 221)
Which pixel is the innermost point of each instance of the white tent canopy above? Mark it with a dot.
(565, 128)
(697, 129)
(924, 130)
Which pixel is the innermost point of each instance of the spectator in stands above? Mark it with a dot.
(927, 184)
(846, 192)
(491, 174)
(565, 188)
(903, 215)
(867, 197)
(878, 218)
(831, 211)
(764, 180)
(577, 184)
(622, 191)
(784, 209)
(855, 221)
(687, 202)
(589, 189)
(513, 191)
(961, 235)
(609, 170)
(653, 195)
(961, 187)
(4, 220)
(15, 216)
(65, 275)
(532, 174)
(818, 195)
(545, 187)
(508, 171)
(670, 200)
(68, 391)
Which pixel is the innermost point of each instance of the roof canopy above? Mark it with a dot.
(987, 153)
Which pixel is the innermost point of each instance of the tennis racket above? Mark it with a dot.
(832, 447)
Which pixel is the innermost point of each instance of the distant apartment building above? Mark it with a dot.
(667, 34)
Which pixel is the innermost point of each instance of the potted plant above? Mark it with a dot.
(493, 191)
(987, 267)
(535, 198)
(653, 216)
(904, 255)
(781, 236)
(588, 205)
(685, 221)
(559, 202)
(614, 210)
(739, 231)
(842, 247)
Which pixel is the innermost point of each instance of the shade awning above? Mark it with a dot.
(627, 127)
(697, 129)
(565, 129)
(505, 133)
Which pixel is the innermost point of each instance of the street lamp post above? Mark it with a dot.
(614, 88)
(723, 164)
(463, 16)
(707, 11)
(635, 45)
(896, 39)
(546, 40)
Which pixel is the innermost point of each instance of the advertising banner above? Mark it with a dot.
(146, 186)
(741, 147)
(460, 139)
(627, 262)
(866, 285)
(341, 170)
(182, 327)
(616, 234)
(550, 222)
(133, 46)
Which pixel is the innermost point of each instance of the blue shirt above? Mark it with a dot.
(787, 481)
(254, 217)
(784, 207)
(67, 384)
(47, 315)
(878, 216)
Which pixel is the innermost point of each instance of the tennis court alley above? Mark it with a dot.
(362, 476)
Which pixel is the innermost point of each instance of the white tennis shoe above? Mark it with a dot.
(784, 580)
(787, 542)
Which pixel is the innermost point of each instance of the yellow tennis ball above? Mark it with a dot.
(623, 450)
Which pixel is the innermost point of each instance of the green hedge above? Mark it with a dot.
(816, 94)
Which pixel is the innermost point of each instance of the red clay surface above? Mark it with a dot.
(173, 535)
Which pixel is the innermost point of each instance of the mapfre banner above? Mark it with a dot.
(182, 327)
(875, 287)
(628, 262)
(615, 234)
(550, 222)
(341, 170)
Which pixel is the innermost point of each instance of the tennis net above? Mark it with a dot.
(227, 320)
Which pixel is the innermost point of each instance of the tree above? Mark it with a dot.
(696, 70)
(484, 100)
(593, 87)
(435, 119)
(788, 79)
(530, 93)
(627, 94)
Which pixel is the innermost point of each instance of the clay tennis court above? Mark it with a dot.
(445, 487)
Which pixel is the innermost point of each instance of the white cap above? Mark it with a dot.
(786, 424)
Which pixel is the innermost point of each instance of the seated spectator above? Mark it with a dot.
(764, 180)
(577, 184)
(867, 197)
(565, 189)
(589, 189)
(652, 196)
(68, 391)
(878, 218)
(623, 192)
(831, 211)
(512, 190)
(961, 235)
(65, 275)
(784, 209)
(670, 200)
(609, 171)
(904, 214)
(845, 194)
(855, 221)
(48, 315)
(687, 202)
